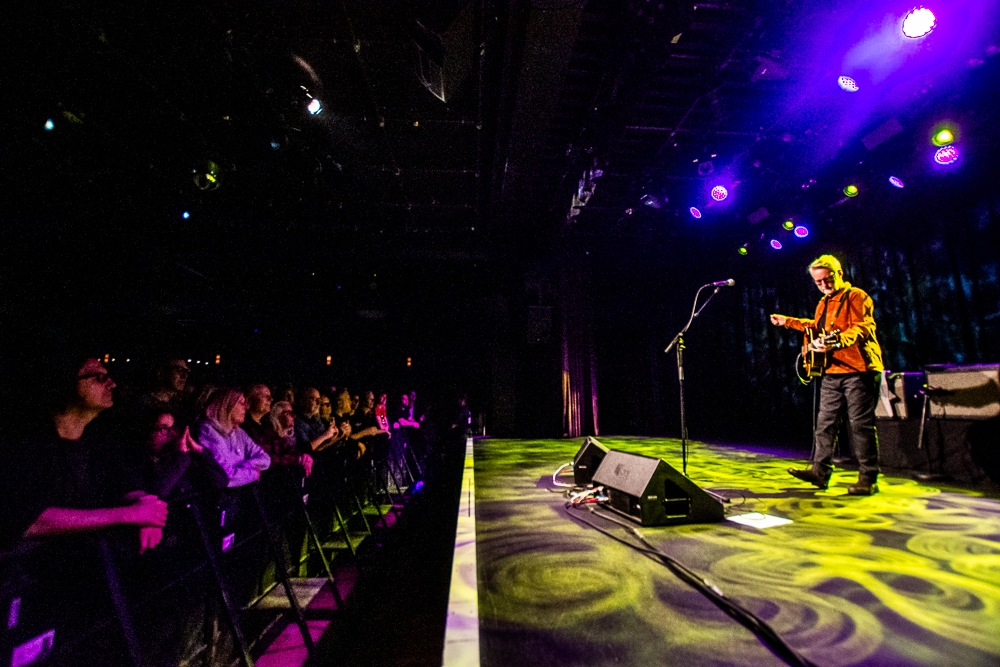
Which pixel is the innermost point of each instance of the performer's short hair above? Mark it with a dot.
(826, 262)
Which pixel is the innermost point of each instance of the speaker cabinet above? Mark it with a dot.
(653, 493)
(587, 460)
(964, 392)
(899, 396)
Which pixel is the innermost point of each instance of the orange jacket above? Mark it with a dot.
(860, 350)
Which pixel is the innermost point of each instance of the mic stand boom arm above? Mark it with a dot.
(678, 341)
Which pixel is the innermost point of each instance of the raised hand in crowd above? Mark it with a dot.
(187, 443)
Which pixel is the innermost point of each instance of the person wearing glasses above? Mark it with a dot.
(850, 382)
(59, 480)
(171, 381)
(174, 463)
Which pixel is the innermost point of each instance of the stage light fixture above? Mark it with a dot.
(919, 23)
(49, 125)
(651, 202)
(801, 232)
(719, 193)
(851, 190)
(946, 155)
(788, 224)
(943, 137)
(208, 176)
(848, 84)
(695, 213)
(776, 244)
(185, 215)
(314, 106)
(896, 182)
(275, 145)
(743, 251)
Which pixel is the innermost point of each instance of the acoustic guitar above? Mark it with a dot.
(817, 362)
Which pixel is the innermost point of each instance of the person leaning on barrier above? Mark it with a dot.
(173, 463)
(234, 450)
(59, 480)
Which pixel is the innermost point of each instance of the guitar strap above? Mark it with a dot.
(826, 305)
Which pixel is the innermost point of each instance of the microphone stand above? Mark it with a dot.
(679, 342)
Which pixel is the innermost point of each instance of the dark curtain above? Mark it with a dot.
(933, 273)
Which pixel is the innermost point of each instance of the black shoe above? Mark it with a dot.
(812, 476)
(862, 489)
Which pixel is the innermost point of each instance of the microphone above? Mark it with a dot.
(723, 283)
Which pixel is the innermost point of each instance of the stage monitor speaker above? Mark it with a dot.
(653, 493)
(587, 460)
(964, 392)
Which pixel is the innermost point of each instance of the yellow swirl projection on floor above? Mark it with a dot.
(910, 576)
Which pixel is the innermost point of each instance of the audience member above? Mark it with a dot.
(325, 408)
(220, 433)
(279, 441)
(174, 463)
(57, 481)
(256, 424)
(311, 434)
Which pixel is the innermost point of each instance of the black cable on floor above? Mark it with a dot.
(733, 609)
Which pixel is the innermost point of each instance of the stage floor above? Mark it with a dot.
(910, 576)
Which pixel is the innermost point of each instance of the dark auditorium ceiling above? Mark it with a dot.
(165, 108)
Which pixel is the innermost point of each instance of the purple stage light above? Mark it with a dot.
(919, 22)
(801, 232)
(946, 155)
(695, 213)
(896, 182)
(776, 244)
(719, 193)
(848, 84)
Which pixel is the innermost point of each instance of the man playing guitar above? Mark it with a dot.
(851, 379)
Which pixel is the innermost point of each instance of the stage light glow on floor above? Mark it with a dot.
(919, 22)
(801, 231)
(851, 190)
(314, 106)
(946, 155)
(776, 244)
(788, 224)
(943, 137)
(848, 84)
(719, 193)
(896, 182)
(695, 213)
(49, 125)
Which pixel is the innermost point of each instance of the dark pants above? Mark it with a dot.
(858, 394)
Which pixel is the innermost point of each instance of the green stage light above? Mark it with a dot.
(851, 191)
(943, 137)
(743, 250)
(788, 224)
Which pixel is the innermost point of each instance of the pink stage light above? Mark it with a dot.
(801, 232)
(946, 155)
(695, 213)
(719, 193)
(776, 244)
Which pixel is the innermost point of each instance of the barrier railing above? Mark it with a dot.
(93, 600)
